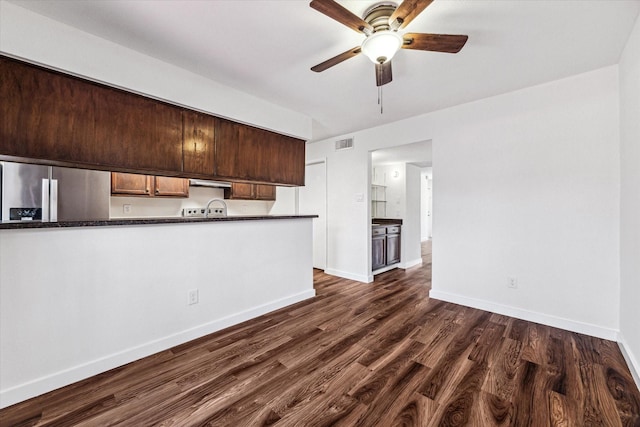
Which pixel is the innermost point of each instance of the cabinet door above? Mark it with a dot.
(44, 114)
(136, 132)
(198, 143)
(393, 249)
(248, 153)
(285, 158)
(239, 190)
(378, 252)
(171, 187)
(265, 192)
(131, 184)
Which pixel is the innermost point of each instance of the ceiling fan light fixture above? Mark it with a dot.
(380, 46)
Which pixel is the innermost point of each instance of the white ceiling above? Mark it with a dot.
(266, 48)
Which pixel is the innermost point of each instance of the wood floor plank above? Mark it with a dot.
(360, 354)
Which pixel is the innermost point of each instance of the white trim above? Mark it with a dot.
(350, 276)
(385, 269)
(410, 264)
(42, 385)
(315, 161)
(532, 316)
(632, 362)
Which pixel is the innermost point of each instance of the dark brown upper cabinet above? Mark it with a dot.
(44, 115)
(198, 150)
(52, 117)
(135, 132)
(247, 153)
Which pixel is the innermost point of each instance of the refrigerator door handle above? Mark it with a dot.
(53, 200)
(45, 200)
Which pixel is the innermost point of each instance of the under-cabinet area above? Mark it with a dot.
(385, 246)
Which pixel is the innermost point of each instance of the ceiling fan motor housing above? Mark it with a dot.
(378, 16)
(383, 38)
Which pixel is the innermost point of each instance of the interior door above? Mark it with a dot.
(312, 200)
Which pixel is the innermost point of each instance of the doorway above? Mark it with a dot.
(405, 174)
(312, 200)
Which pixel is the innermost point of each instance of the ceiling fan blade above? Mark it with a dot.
(336, 60)
(344, 16)
(383, 73)
(407, 11)
(448, 43)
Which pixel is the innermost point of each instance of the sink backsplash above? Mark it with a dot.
(150, 207)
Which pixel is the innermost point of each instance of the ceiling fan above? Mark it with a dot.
(380, 25)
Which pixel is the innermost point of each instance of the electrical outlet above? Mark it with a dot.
(126, 209)
(199, 212)
(512, 282)
(192, 297)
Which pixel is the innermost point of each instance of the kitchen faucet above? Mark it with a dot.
(224, 207)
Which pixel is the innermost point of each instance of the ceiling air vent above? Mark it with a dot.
(344, 144)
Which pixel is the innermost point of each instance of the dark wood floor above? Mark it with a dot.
(378, 354)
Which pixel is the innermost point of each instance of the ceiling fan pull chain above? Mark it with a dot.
(380, 98)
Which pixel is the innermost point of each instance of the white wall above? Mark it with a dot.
(527, 185)
(426, 204)
(630, 198)
(393, 177)
(101, 297)
(411, 251)
(285, 203)
(33, 37)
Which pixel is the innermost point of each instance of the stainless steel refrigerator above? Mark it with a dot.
(49, 193)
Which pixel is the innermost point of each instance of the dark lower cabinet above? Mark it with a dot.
(378, 252)
(385, 246)
(393, 249)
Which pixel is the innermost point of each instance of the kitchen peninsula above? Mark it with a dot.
(92, 295)
(106, 293)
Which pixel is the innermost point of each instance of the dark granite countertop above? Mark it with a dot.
(385, 221)
(142, 221)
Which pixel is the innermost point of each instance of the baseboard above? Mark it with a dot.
(632, 362)
(350, 276)
(411, 263)
(43, 385)
(532, 316)
(385, 269)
